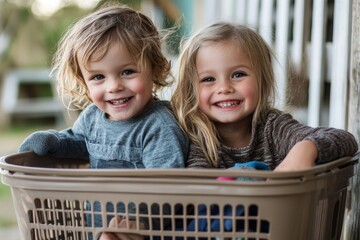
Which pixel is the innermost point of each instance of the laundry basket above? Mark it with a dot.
(62, 199)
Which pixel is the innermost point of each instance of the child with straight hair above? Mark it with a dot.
(224, 102)
(111, 65)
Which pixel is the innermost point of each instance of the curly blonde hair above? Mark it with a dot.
(93, 35)
(200, 129)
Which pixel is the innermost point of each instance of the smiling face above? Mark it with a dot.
(228, 88)
(116, 83)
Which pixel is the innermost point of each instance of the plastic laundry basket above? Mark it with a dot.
(62, 199)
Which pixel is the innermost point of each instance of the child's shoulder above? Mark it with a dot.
(276, 115)
(90, 111)
(161, 110)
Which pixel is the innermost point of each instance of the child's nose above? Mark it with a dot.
(225, 86)
(114, 84)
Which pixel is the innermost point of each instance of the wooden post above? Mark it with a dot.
(352, 221)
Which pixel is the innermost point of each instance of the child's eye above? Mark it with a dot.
(207, 79)
(238, 75)
(128, 72)
(97, 77)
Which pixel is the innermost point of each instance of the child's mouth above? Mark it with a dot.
(227, 104)
(120, 101)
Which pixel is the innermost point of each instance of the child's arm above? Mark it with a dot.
(284, 133)
(302, 156)
(41, 143)
(56, 144)
(66, 143)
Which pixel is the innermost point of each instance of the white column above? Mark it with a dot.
(317, 62)
(340, 63)
(281, 48)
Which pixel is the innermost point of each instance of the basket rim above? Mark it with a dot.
(7, 167)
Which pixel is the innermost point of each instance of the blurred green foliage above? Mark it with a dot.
(4, 190)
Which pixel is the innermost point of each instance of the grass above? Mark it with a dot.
(4, 190)
(7, 211)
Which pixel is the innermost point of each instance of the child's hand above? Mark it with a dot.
(302, 156)
(122, 223)
(42, 143)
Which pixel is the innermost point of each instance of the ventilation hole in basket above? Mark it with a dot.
(166, 209)
(202, 210)
(110, 207)
(264, 226)
(155, 223)
(132, 208)
(179, 224)
(98, 220)
(253, 226)
(97, 206)
(89, 222)
(47, 204)
(178, 209)
(31, 216)
(190, 224)
(228, 210)
(214, 210)
(144, 208)
(190, 209)
(240, 210)
(57, 204)
(32, 234)
(334, 220)
(37, 203)
(240, 225)
(253, 210)
(167, 224)
(155, 209)
(120, 207)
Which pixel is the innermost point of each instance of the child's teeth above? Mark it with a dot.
(227, 104)
(120, 101)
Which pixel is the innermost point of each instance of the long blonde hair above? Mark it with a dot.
(185, 99)
(92, 36)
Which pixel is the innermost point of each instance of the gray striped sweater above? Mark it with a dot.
(273, 139)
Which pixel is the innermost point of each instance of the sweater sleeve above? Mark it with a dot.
(331, 143)
(72, 140)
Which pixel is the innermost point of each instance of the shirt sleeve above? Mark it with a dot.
(331, 143)
(72, 140)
